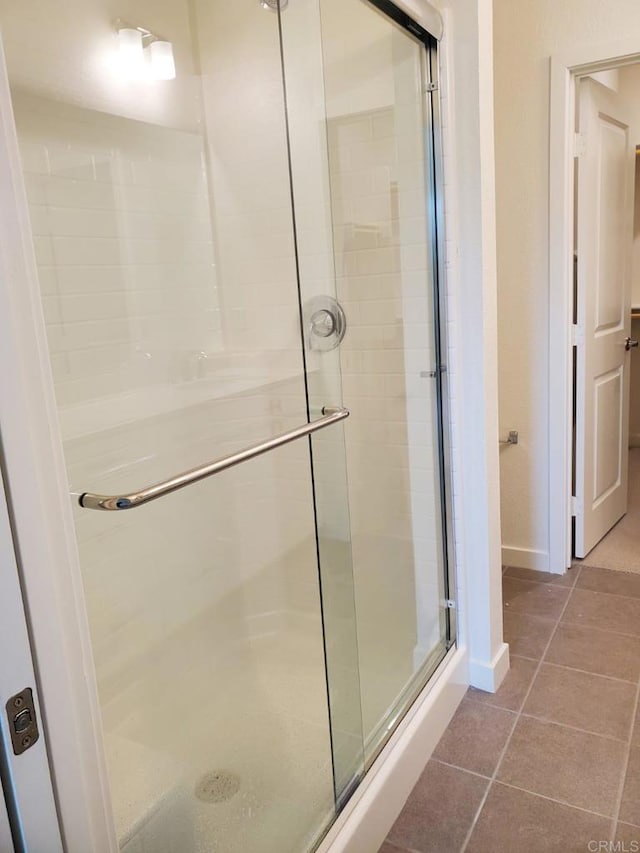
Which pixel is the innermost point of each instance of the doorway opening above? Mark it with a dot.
(605, 435)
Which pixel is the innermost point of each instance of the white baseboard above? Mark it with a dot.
(373, 809)
(489, 676)
(525, 558)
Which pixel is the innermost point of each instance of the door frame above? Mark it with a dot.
(564, 72)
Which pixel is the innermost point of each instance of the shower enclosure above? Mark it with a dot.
(236, 216)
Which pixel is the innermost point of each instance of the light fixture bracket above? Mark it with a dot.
(147, 35)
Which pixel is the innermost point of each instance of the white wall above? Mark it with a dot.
(470, 225)
(525, 36)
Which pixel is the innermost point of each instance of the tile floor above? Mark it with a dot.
(551, 762)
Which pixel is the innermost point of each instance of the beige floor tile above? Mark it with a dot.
(635, 735)
(440, 810)
(391, 848)
(630, 806)
(536, 599)
(567, 579)
(527, 635)
(581, 699)
(607, 612)
(511, 693)
(595, 651)
(605, 580)
(629, 835)
(516, 822)
(475, 737)
(573, 767)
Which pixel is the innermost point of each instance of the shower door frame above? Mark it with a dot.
(37, 484)
(430, 39)
(426, 29)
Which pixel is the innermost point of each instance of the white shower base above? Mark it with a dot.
(260, 713)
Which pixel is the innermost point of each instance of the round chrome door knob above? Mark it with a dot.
(325, 323)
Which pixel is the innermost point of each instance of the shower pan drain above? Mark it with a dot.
(217, 787)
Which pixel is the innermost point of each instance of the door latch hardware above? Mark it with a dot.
(23, 724)
(630, 344)
(431, 374)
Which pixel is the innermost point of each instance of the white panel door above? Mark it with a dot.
(604, 241)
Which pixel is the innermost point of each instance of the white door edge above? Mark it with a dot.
(26, 775)
(604, 248)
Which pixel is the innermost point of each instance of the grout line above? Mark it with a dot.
(524, 790)
(520, 712)
(509, 610)
(464, 769)
(573, 728)
(503, 752)
(608, 594)
(516, 577)
(589, 672)
(523, 657)
(626, 823)
(399, 849)
(585, 626)
(568, 586)
(552, 799)
(628, 572)
(604, 630)
(625, 763)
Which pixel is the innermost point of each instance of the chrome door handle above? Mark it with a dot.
(158, 490)
(630, 344)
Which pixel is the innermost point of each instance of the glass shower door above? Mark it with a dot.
(160, 209)
(363, 127)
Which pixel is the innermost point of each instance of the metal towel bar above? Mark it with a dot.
(159, 490)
